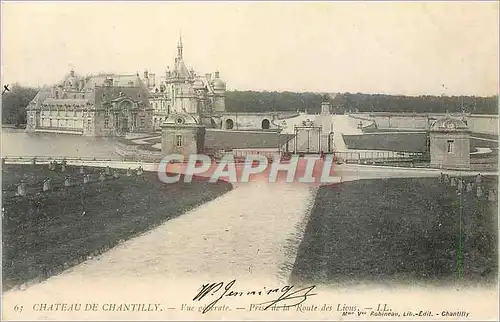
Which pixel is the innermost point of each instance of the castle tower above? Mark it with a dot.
(219, 93)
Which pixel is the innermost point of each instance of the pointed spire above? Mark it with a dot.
(179, 47)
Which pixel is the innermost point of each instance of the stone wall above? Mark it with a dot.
(477, 123)
(459, 158)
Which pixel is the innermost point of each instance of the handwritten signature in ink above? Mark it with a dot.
(288, 296)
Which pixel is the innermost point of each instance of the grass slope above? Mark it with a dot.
(398, 230)
(45, 233)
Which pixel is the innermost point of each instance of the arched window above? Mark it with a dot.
(229, 124)
(265, 124)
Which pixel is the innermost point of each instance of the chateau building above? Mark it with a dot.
(112, 105)
(102, 105)
(183, 91)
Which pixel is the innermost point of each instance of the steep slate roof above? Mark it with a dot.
(182, 70)
(107, 94)
(118, 80)
(41, 96)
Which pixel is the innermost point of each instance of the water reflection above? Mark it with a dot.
(19, 143)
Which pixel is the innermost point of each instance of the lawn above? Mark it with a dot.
(398, 231)
(45, 233)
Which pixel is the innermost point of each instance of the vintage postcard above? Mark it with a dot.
(249, 160)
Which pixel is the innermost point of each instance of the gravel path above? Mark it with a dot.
(249, 234)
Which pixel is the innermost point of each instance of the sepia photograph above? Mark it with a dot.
(253, 160)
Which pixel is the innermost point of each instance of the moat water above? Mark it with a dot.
(17, 142)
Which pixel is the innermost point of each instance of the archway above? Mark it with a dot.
(229, 124)
(265, 124)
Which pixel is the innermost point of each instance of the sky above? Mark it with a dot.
(409, 48)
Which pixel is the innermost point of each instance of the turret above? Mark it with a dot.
(218, 84)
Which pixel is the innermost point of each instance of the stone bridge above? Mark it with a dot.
(253, 121)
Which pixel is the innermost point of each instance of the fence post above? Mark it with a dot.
(479, 191)
(67, 181)
(21, 188)
(46, 185)
(491, 195)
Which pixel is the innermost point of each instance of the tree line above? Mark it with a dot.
(252, 101)
(14, 103)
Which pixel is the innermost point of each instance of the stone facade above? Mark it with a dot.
(183, 91)
(102, 105)
(449, 144)
(181, 134)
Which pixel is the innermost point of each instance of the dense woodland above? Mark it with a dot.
(15, 101)
(250, 101)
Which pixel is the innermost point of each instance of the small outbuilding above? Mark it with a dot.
(450, 144)
(182, 134)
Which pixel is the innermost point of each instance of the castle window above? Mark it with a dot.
(142, 121)
(451, 143)
(106, 123)
(178, 140)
